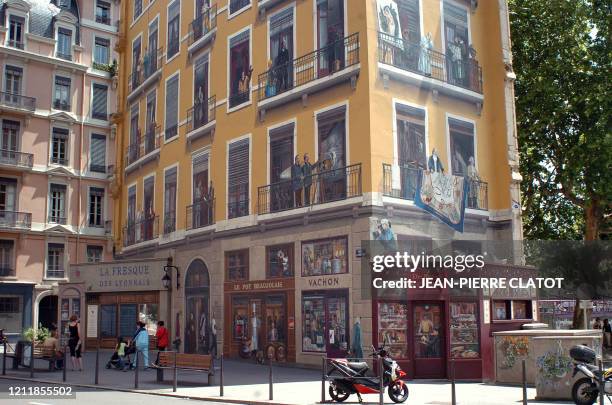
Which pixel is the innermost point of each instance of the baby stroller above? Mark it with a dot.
(120, 356)
(115, 362)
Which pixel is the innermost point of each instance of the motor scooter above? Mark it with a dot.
(353, 379)
(585, 390)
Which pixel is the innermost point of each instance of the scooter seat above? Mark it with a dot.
(358, 366)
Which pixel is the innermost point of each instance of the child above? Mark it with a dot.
(117, 357)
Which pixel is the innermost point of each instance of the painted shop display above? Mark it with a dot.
(325, 256)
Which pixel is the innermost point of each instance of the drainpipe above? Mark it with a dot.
(78, 244)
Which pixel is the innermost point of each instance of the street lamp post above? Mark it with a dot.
(167, 284)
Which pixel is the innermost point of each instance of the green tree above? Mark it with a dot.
(561, 56)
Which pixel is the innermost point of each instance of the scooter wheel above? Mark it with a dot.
(584, 392)
(398, 392)
(337, 393)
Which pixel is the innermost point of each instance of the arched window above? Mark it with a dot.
(197, 308)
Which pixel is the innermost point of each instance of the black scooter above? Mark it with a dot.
(586, 389)
(353, 378)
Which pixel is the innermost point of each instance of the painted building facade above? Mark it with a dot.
(57, 155)
(216, 100)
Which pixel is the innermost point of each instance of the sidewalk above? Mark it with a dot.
(248, 383)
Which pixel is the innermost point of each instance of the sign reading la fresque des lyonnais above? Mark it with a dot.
(119, 276)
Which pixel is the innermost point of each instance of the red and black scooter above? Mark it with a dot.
(353, 380)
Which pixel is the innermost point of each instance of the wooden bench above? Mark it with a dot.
(184, 361)
(45, 353)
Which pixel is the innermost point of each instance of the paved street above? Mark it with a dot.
(249, 382)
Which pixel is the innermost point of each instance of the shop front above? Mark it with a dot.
(110, 298)
(15, 308)
(325, 319)
(261, 317)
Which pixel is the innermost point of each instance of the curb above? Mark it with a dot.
(161, 394)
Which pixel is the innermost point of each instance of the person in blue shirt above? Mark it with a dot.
(141, 342)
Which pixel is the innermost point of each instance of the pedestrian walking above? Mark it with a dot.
(162, 338)
(597, 324)
(607, 332)
(74, 342)
(141, 343)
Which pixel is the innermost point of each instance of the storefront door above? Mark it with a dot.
(428, 340)
(325, 323)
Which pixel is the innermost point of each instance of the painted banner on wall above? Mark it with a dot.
(443, 196)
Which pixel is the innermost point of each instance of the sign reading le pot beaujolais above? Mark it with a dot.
(119, 276)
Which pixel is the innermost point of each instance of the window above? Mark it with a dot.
(97, 158)
(99, 103)
(238, 179)
(393, 328)
(10, 134)
(108, 320)
(331, 127)
(200, 93)
(172, 97)
(16, 28)
(457, 43)
(237, 5)
(137, 8)
(325, 256)
(8, 193)
(59, 146)
(240, 69)
(13, 76)
(148, 195)
(64, 43)
(325, 321)
(94, 253)
(10, 305)
(411, 149)
(237, 265)
(103, 10)
(96, 204)
(135, 77)
(55, 260)
(134, 147)
(462, 146)
(203, 197)
(279, 261)
(174, 21)
(6, 258)
(330, 30)
(281, 48)
(410, 21)
(170, 193)
(102, 51)
(62, 93)
(57, 204)
(131, 205)
(464, 330)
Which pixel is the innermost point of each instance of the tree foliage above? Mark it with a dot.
(561, 56)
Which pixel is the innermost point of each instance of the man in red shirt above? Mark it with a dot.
(162, 338)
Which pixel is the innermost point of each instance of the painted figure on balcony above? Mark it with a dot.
(473, 181)
(434, 164)
(457, 54)
(426, 53)
(297, 181)
(307, 176)
(270, 80)
(282, 67)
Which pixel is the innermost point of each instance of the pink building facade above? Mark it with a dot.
(57, 151)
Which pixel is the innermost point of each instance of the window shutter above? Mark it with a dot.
(100, 96)
(456, 15)
(238, 167)
(463, 127)
(98, 152)
(281, 21)
(174, 10)
(172, 107)
(240, 39)
(14, 71)
(200, 163)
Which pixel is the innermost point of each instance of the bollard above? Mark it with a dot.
(381, 385)
(97, 365)
(221, 377)
(174, 377)
(32, 360)
(323, 378)
(4, 359)
(270, 386)
(65, 364)
(601, 383)
(524, 383)
(136, 370)
(453, 392)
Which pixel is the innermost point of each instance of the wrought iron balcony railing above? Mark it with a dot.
(7, 272)
(169, 221)
(151, 62)
(319, 188)
(15, 220)
(203, 24)
(61, 105)
(201, 214)
(55, 273)
(201, 114)
(17, 159)
(59, 161)
(426, 62)
(477, 191)
(16, 44)
(103, 19)
(57, 219)
(323, 62)
(63, 55)
(18, 101)
(141, 230)
(143, 145)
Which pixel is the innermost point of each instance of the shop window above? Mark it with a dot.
(174, 18)
(94, 253)
(464, 339)
(501, 310)
(108, 321)
(507, 310)
(393, 328)
(275, 319)
(238, 178)
(427, 331)
(313, 327)
(521, 310)
(462, 146)
(240, 69)
(324, 327)
(237, 265)
(280, 261)
(326, 256)
(240, 317)
(9, 305)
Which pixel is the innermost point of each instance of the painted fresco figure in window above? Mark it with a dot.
(282, 67)
(297, 181)
(271, 80)
(425, 57)
(307, 176)
(457, 54)
(434, 164)
(473, 182)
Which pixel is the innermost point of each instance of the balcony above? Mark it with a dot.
(61, 105)
(148, 72)
(169, 222)
(63, 55)
(17, 103)
(56, 219)
(11, 159)
(15, 220)
(201, 214)
(201, 119)
(429, 69)
(13, 43)
(477, 191)
(202, 30)
(139, 231)
(319, 188)
(143, 149)
(336, 63)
